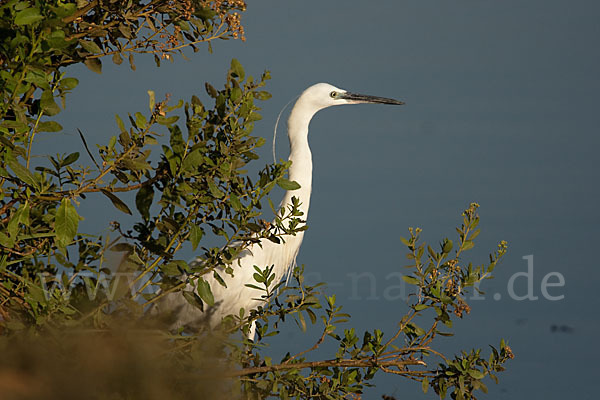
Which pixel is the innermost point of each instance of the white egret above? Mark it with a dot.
(281, 256)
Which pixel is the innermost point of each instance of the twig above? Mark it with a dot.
(315, 346)
(400, 329)
(7, 206)
(86, 148)
(327, 363)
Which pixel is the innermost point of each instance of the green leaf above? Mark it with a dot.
(467, 245)
(205, 293)
(21, 172)
(6, 241)
(219, 279)
(120, 123)
(151, 100)
(212, 92)
(418, 330)
(235, 202)
(66, 222)
(312, 315)
(425, 384)
(49, 126)
(254, 116)
(94, 64)
(36, 294)
(205, 13)
(476, 374)
(140, 120)
(149, 140)
(90, 46)
(70, 159)
(192, 161)
(38, 78)
(262, 95)
(28, 16)
(125, 30)
(136, 165)
(475, 233)
(118, 203)
(193, 299)
(111, 142)
(167, 121)
(48, 104)
(57, 40)
(410, 279)
(236, 94)
(176, 141)
(287, 184)
(184, 25)
(117, 59)
(131, 61)
(64, 10)
(251, 286)
(214, 190)
(21, 216)
(484, 388)
(195, 235)
(258, 278)
(143, 200)
(447, 247)
(301, 321)
(69, 83)
(237, 70)
(170, 269)
(420, 307)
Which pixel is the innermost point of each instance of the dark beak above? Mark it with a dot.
(363, 98)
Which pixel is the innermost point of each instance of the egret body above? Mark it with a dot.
(282, 256)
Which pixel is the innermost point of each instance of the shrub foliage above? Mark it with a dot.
(185, 164)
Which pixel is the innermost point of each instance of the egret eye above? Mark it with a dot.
(333, 94)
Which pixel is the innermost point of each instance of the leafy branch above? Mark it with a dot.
(185, 166)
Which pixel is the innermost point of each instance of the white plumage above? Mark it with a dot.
(282, 256)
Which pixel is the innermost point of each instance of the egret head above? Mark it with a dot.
(318, 97)
(323, 95)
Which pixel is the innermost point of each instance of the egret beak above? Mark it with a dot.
(363, 98)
